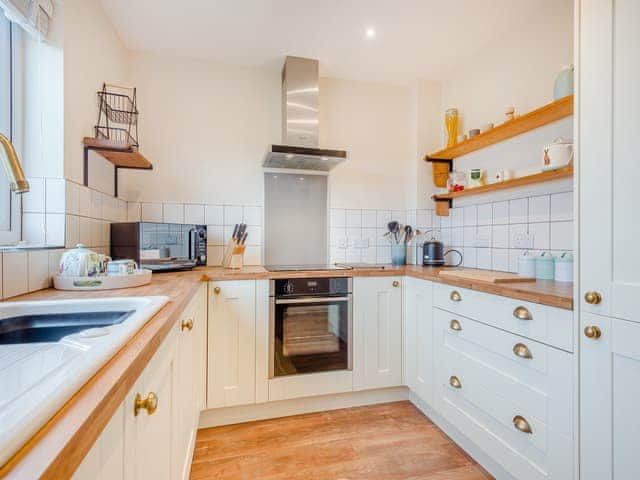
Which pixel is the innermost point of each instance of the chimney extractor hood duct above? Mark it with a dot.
(300, 121)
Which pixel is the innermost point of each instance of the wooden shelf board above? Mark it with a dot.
(132, 159)
(516, 182)
(104, 144)
(549, 113)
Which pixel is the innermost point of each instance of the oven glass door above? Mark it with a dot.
(310, 334)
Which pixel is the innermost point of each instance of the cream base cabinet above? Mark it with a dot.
(418, 366)
(377, 326)
(609, 396)
(232, 343)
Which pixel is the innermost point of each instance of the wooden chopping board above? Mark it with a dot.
(486, 276)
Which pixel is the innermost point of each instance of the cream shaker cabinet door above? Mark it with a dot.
(152, 419)
(232, 343)
(377, 332)
(609, 164)
(418, 366)
(609, 394)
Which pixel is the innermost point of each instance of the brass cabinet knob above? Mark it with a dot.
(592, 297)
(592, 332)
(522, 351)
(150, 404)
(455, 382)
(216, 290)
(186, 324)
(521, 424)
(522, 313)
(455, 296)
(455, 325)
(396, 283)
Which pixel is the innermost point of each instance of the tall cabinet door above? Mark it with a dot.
(609, 163)
(418, 338)
(232, 343)
(377, 332)
(609, 395)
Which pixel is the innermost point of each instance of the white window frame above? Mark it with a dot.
(12, 234)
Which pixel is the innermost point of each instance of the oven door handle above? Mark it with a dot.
(300, 301)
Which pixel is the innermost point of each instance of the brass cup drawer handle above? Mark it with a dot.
(593, 298)
(150, 404)
(455, 296)
(521, 424)
(396, 283)
(187, 324)
(592, 332)
(522, 313)
(522, 351)
(216, 290)
(455, 325)
(455, 382)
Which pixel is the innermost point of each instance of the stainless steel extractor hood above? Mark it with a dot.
(300, 121)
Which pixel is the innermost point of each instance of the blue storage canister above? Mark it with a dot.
(545, 266)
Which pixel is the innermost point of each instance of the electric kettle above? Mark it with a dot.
(433, 254)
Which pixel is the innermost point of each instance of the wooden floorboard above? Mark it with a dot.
(391, 441)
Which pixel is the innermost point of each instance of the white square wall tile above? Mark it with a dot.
(485, 214)
(519, 210)
(55, 229)
(500, 236)
(514, 231)
(38, 277)
(253, 216)
(72, 231)
(84, 201)
(469, 258)
(539, 209)
(500, 213)
(71, 197)
(469, 236)
(55, 195)
(353, 234)
(122, 210)
(84, 231)
(353, 255)
(423, 219)
(412, 216)
(445, 222)
(353, 218)
(214, 214)
(96, 207)
(514, 256)
(369, 218)
(457, 237)
(34, 200)
(369, 255)
(254, 235)
(337, 255)
(383, 218)
(33, 228)
(483, 258)
(214, 255)
(95, 227)
(173, 213)
(134, 212)
(381, 240)
(337, 217)
(562, 235)
(253, 255)
(483, 236)
(383, 255)
(399, 216)
(215, 235)
(152, 212)
(540, 232)
(194, 214)
(500, 260)
(232, 214)
(470, 213)
(435, 219)
(562, 206)
(457, 217)
(15, 275)
(370, 235)
(337, 236)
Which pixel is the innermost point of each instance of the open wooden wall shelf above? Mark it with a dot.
(120, 154)
(549, 113)
(443, 201)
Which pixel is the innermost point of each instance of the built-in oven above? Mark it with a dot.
(310, 325)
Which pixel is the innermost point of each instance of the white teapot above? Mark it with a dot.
(82, 262)
(557, 154)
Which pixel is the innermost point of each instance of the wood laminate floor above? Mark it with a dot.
(391, 441)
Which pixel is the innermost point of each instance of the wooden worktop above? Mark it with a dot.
(59, 447)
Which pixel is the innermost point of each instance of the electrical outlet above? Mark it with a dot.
(523, 240)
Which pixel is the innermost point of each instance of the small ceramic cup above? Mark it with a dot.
(474, 132)
(121, 267)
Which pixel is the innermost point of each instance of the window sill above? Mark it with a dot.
(21, 247)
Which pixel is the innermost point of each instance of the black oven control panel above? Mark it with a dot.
(311, 286)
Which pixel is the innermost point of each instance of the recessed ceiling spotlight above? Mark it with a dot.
(371, 32)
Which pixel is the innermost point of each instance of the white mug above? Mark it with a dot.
(121, 267)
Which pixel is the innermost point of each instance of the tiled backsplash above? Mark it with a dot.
(220, 220)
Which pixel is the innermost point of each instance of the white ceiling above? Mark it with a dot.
(414, 38)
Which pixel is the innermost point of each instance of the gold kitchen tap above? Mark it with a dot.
(17, 181)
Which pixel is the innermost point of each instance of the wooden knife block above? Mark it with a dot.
(233, 255)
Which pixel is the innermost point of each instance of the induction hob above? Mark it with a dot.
(306, 268)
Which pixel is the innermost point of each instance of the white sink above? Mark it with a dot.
(36, 379)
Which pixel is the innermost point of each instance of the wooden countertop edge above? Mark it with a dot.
(59, 447)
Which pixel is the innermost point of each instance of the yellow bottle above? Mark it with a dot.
(451, 122)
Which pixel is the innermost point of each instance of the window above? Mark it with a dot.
(9, 113)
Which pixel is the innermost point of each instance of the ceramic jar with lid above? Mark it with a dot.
(545, 266)
(527, 265)
(564, 268)
(82, 262)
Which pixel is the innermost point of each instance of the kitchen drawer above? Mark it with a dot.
(495, 388)
(550, 325)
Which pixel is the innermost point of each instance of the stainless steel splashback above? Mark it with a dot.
(295, 219)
